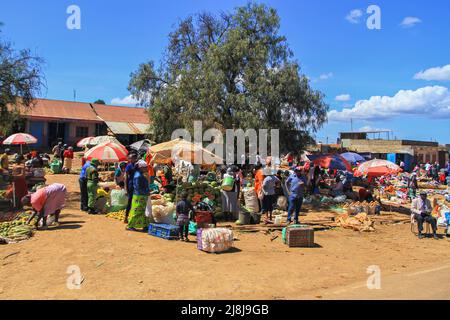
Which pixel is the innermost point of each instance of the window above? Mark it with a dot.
(82, 132)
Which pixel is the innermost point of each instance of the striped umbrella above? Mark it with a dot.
(84, 142)
(20, 139)
(377, 168)
(333, 161)
(108, 152)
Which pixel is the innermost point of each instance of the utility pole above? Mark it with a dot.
(351, 124)
(74, 95)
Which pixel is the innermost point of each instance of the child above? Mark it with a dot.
(184, 209)
(101, 204)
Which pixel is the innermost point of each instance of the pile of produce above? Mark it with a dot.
(361, 222)
(119, 215)
(358, 207)
(18, 229)
(206, 191)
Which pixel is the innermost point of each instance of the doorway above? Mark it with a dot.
(56, 133)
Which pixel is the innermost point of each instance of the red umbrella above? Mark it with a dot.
(109, 152)
(333, 161)
(20, 139)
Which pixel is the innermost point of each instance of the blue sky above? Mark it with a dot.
(374, 74)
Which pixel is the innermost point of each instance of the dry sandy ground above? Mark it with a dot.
(116, 264)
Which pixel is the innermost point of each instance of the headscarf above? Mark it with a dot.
(95, 162)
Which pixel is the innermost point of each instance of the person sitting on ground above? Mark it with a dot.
(338, 188)
(183, 210)
(366, 194)
(4, 160)
(45, 202)
(103, 199)
(421, 210)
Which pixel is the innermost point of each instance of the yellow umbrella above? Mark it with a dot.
(183, 150)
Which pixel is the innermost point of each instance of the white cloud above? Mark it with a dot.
(371, 129)
(410, 22)
(428, 101)
(437, 73)
(127, 101)
(354, 16)
(324, 76)
(343, 97)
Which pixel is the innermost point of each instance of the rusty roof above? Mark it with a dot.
(59, 109)
(121, 114)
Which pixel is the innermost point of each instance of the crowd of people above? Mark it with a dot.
(138, 178)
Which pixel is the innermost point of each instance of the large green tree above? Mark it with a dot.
(230, 71)
(21, 80)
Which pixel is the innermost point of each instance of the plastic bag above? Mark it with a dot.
(119, 199)
(282, 202)
(214, 240)
(251, 201)
(340, 199)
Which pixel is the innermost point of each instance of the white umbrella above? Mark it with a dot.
(102, 139)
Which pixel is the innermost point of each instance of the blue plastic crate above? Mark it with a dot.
(164, 231)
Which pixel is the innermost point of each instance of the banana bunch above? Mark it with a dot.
(16, 230)
(119, 215)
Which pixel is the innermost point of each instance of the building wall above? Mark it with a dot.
(39, 129)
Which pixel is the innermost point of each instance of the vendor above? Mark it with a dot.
(366, 194)
(68, 160)
(412, 186)
(119, 175)
(20, 183)
(4, 160)
(46, 201)
(338, 188)
(141, 192)
(230, 203)
(421, 211)
(92, 185)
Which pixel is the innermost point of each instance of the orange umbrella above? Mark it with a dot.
(377, 168)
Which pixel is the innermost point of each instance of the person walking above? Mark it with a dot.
(230, 205)
(83, 186)
(295, 185)
(92, 185)
(141, 192)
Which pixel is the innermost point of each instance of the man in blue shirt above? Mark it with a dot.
(83, 186)
(130, 170)
(295, 185)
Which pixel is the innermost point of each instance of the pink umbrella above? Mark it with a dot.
(20, 139)
(108, 152)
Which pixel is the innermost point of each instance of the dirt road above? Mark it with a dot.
(116, 264)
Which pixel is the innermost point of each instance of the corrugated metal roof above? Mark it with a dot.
(121, 114)
(61, 110)
(127, 127)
